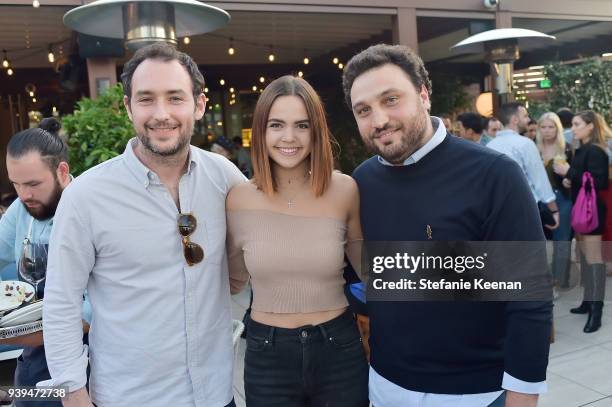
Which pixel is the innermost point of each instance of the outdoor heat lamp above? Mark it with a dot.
(142, 22)
(501, 48)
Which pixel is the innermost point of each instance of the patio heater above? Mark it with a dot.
(501, 48)
(142, 22)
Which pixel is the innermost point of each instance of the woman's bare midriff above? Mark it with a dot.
(295, 320)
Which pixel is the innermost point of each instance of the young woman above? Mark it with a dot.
(551, 143)
(288, 231)
(591, 156)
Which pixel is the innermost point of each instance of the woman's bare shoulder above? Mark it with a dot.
(241, 196)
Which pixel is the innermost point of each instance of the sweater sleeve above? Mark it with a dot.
(238, 273)
(597, 165)
(513, 216)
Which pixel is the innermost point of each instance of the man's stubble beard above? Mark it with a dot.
(410, 141)
(183, 141)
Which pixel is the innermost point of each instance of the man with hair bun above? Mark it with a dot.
(37, 165)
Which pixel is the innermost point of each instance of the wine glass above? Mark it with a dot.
(32, 266)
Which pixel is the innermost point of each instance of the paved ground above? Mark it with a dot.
(579, 372)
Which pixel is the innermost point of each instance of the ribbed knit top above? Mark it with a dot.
(295, 262)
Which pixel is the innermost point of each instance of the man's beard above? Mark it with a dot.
(411, 138)
(46, 210)
(183, 140)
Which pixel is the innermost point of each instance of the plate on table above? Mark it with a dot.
(29, 313)
(14, 293)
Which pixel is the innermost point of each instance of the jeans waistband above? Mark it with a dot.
(323, 330)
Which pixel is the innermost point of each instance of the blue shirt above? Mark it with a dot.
(525, 153)
(14, 228)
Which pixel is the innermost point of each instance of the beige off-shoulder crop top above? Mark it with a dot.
(295, 263)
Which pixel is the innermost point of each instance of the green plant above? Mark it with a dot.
(448, 95)
(98, 130)
(587, 85)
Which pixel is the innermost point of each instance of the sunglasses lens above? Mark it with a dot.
(186, 224)
(193, 253)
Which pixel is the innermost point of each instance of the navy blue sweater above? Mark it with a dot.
(464, 192)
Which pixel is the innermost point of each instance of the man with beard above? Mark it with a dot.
(524, 151)
(424, 184)
(38, 169)
(145, 233)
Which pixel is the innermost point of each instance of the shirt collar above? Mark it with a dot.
(434, 141)
(144, 175)
(506, 132)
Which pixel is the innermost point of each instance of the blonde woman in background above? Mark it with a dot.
(552, 146)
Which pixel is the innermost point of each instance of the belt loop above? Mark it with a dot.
(324, 333)
(271, 334)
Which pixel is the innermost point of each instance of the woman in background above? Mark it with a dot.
(553, 149)
(592, 156)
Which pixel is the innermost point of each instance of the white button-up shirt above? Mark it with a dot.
(161, 331)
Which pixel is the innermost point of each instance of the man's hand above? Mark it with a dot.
(514, 399)
(78, 398)
(556, 225)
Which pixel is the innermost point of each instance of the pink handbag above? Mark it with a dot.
(584, 212)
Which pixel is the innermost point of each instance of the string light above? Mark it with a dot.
(222, 82)
(51, 56)
(231, 49)
(231, 90)
(300, 74)
(271, 56)
(340, 65)
(5, 61)
(34, 100)
(262, 79)
(306, 60)
(10, 71)
(335, 61)
(31, 94)
(205, 90)
(254, 88)
(186, 40)
(36, 4)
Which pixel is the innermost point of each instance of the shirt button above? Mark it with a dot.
(304, 334)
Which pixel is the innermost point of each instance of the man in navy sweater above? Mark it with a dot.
(424, 184)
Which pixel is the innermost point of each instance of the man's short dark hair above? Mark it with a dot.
(489, 120)
(382, 54)
(164, 52)
(44, 140)
(471, 120)
(508, 110)
(566, 116)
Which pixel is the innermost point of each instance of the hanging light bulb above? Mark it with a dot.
(36, 4)
(5, 61)
(205, 90)
(9, 71)
(51, 56)
(262, 79)
(231, 49)
(31, 94)
(34, 100)
(186, 40)
(254, 88)
(231, 90)
(222, 82)
(340, 66)
(335, 61)
(300, 74)
(271, 56)
(306, 60)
